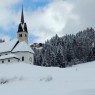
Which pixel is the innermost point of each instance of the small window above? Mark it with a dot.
(25, 35)
(30, 59)
(2, 61)
(22, 58)
(8, 60)
(20, 35)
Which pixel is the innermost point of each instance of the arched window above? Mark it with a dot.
(8, 60)
(2, 61)
(30, 59)
(25, 35)
(20, 35)
(22, 58)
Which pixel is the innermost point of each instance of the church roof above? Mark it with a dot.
(8, 56)
(22, 47)
(15, 46)
(7, 46)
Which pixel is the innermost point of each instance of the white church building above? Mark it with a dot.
(17, 50)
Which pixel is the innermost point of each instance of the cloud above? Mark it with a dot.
(62, 17)
(7, 14)
(8, 18)
(45, 23)
(84, 10)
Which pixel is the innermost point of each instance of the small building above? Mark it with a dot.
(10, 58)
(17, 50)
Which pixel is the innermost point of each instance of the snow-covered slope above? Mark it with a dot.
(26, 79)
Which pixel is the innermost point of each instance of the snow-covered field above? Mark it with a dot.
(26, 79)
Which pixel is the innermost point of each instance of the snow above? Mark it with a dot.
(7, 46)
(39, 48)
(23, 46)
(27, 79)
(9, 56)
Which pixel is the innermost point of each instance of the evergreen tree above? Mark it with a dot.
(59, 60)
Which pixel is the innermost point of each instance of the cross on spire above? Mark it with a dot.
(22, 16)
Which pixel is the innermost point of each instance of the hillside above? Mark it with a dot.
(67, 50)
(26, 79)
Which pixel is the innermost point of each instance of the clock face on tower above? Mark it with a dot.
(30, 59)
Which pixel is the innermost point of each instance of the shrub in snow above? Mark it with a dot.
(21, 78)
(48, 78)
(3, 81)
(7, 80)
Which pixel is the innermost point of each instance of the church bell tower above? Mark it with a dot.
(22, 33)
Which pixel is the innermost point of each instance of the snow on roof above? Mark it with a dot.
(7, 46)
(8, 56)
(23, 46)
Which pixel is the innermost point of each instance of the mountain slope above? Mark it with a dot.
(26, 79)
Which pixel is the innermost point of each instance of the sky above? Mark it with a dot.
(46, 18)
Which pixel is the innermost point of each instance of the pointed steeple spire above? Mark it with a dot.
(22, 16)
(22, 33)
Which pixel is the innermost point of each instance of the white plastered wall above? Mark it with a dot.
(28, 57)
(12, 60)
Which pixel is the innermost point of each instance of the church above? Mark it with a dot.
(17, 50)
